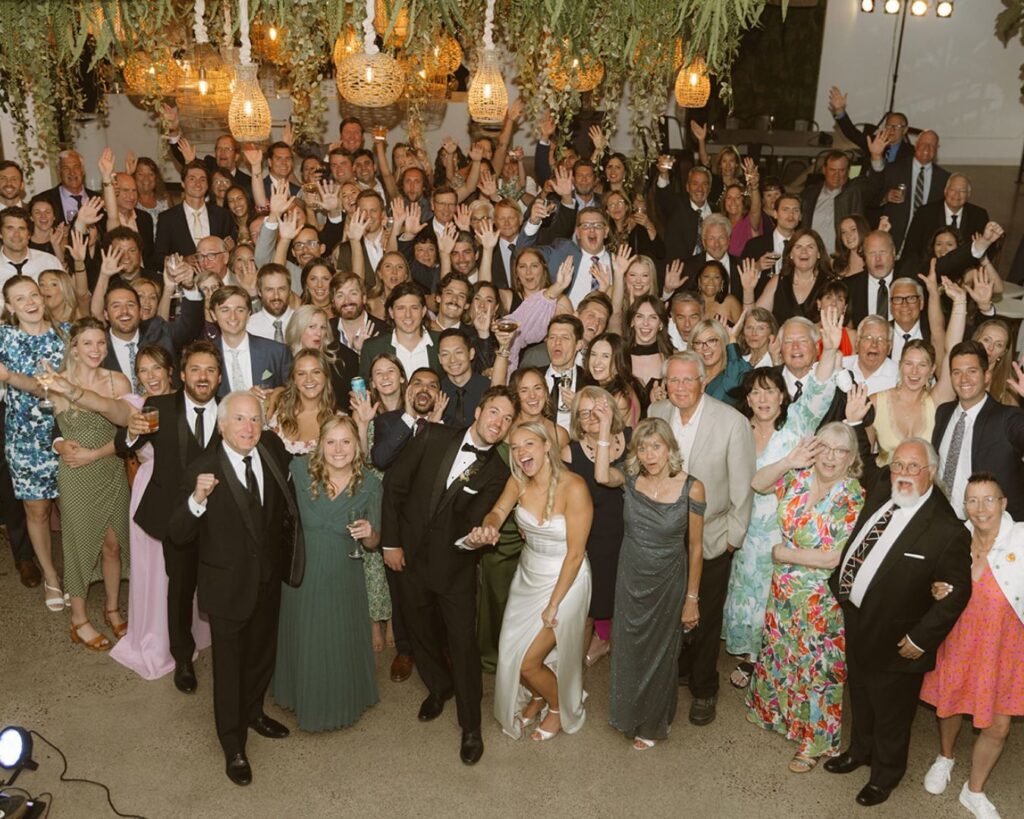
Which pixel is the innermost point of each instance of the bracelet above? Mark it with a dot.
(75, 398)
(108, 184)
(692, 596)
(604, 443)
(503, 353)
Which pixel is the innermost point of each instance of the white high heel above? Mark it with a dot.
(540, 735)
(58, 601)
(521, 722)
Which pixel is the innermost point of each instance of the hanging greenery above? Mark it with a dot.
(49, 44)
(1010, 24)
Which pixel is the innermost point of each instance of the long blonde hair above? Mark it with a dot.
(287, 409)
(554, 461)
(318, 477)
(645, 430)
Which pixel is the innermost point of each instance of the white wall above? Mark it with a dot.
(954, 76)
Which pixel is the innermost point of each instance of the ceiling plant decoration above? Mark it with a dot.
(50, 46)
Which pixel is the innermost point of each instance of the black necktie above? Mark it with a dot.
(250, 482)
(18, 266)
(476, 451)
(460, 405)
(78, 199)
(882, 300)
(799, 390)
(953, 221)
(698, 248)
(200, 430)
(419, 426)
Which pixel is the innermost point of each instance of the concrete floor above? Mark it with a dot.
(157, 751)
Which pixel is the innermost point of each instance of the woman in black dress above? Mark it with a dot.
(606, 531)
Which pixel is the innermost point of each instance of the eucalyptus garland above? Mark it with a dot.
(1010, 24)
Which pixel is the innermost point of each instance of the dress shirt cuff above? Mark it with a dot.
(977, 254)
(839, 116)
(408, 420)
(193, 294)
(990, 312)
(335, 220)
(270, 224)
(915, 645)
(529, 228)
(174, 139)
(390, 548)
(853, 423)
(130, 440)
(197, 510)
(878, 165)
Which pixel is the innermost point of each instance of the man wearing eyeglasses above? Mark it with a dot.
(909, 318)
(895, 126)
(717, 446)
(587, 250)
(906, 539)
(871, 364)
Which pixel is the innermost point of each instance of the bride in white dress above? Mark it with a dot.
(540, 652)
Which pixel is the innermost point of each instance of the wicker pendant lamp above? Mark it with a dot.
(204, 94)
(579, 72)
(157, 74)
(693, 85)
(487, 99)
(249, 113)
(370, 78)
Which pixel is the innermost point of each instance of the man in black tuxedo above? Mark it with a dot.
(683, 214)
(563, 341)
(714, 235)
(127, 334)
(234, 503)
(188, 429)
(871, 288)
(68, 197)
(905, 540)
(954, 210)
(179, 228)
(508, 221)
(996, 432)
(442, 485)
(769, 249)
(922, 181)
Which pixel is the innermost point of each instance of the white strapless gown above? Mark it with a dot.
(539, 565)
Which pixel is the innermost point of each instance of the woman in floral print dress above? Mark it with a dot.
(797, 685)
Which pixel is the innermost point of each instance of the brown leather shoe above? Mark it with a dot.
(30, 574)
(401, 668)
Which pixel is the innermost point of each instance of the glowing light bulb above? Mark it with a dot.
(203, 86)
(694, 79)
(867, 6)
(892, 6)
(369, 73)
(944, 8)
(272, 34)
(487, 91)
(152, 71)
(575, 63)
(247, 108)
(919, 8)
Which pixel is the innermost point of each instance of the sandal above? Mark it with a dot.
(604, 649)
(740, 677)
(523, 722)
(801, 763)
(641, 744)
(97, 643)
(121, 628)
(57, 601)
(540, 735)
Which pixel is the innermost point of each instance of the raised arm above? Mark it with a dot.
(106, 166)
(700, 134)
(387, 174)
(604, 472)
(800, 457)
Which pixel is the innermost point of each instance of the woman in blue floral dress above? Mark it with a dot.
(797, 685)
(27, 336)
(778, 426)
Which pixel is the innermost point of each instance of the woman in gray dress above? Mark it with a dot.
(656, 588)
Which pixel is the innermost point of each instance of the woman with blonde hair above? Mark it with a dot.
(64, 304)
(550, 592)
(325, 665)
(310, 328)
(658, 582)
(298, 412)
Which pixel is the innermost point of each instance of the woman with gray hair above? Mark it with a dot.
(657, 590)
(797, 685)
(723, 363)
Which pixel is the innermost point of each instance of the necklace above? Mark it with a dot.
(661, 485)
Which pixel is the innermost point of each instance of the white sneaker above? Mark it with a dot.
(937, 778)
(978, 804)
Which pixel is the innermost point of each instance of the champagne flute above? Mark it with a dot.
(44, 375)
(354, 516)
(565, 382)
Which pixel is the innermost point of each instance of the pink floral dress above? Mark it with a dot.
(797, 686)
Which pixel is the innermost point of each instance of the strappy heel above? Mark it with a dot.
(522, 722)
(119, 630)
(540, 735)
(57, 601)
(97, 643)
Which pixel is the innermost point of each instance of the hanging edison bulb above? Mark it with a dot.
(444, 57)
(348, 42)
(693, 85)
(268, 43)
(204, 93)
(487, 98)
(370, 80)
(151, 74)
(579, 72)
(249, 112)
(382, 18)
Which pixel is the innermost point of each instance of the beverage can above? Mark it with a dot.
(358, 385)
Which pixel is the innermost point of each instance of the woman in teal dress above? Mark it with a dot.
(325, 665)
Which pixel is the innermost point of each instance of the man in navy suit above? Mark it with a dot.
(180, 227)
(923, 182)
(250, 362)
(953, 211)
(586, 249)
(894, 126)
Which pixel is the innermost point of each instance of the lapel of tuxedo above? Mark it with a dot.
(915, 527)
(240, 494)
(452, 491)
(451, 452)
(182, 430)
(980, 428)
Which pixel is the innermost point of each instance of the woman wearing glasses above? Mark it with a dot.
(979, 668)
(797, 684)
(723, 361)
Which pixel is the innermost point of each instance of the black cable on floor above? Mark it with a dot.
(63, 778)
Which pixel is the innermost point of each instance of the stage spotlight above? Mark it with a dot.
(892, 6)
(919, 8)
(16, 752)
(867, 6)
(944, 8)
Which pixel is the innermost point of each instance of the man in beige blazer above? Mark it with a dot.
(717, 446)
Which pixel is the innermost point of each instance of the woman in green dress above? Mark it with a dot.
(325, 666)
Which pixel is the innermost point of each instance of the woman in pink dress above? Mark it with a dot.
(145, 649)
(979, 669)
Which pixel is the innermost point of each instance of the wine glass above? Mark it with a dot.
(565, 381)
(44, 375)
(354, 516)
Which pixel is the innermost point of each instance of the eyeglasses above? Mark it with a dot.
(592, 225)
(875, 339)
(310, 244)
(987, 501)
(684, 381)
(707, 344)
(584, 414)
(209, 257)
(897, 300)
(835, 451)
(907, 467)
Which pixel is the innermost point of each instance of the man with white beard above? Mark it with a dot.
(905, 540)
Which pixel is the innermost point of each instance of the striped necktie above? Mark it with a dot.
(860, 554)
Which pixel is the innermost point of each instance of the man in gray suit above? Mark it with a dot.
(717, 446)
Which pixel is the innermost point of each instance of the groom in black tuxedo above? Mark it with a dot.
(904, 541)
(441, 486)
(237, 509)
(188, 427)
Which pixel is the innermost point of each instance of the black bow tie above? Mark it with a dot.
(480, 453)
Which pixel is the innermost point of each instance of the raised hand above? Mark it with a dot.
(90, 212)
(564, 276)
(130, 162)
(674, 278)
(955, 292)
(106, 164)
(878, 142)
(462, 218)
(930, 279)
(171, 121)
(330, 194)
(563, 182)
(775, 348)
(982, 289)
(290, 225)
(288, 133)
(546, 127)
(487, 185)
(736, 329)
(665, 164)
(993, 233)
(603, 275)
(487, 235)
(188, 153)
(363, 408)
(803, 454)
(836, 101)
(750, 272)
(597, 137)
(59, 239)
(831, 328)
(623, 257)
(280, 199)
(884, 223)
(446, 241)
(750, 171)
(205, 484)
(413, 215)
(357, 224)
(475, 154)
(440, 405)
(253, 157)
(540, 210)
(700, 132)
(857, 403)
(515, 110)
(111, 261)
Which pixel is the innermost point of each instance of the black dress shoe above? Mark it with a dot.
(844, 763)
(472, 747)
(702, 710)
(431, 708)
(269, 728)
(238, 770)
(185, 677)
(871, 795)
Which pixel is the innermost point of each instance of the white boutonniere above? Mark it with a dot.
(469, 472)
(266, 374)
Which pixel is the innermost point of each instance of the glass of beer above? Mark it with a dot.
(152, 416)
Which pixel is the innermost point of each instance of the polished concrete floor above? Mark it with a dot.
(157, 751)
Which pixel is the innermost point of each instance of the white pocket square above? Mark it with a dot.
(911, 554)
(470, 491)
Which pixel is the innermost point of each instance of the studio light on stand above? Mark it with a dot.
(944, 9)
(16, 752)
(892, 6)
(919, 8)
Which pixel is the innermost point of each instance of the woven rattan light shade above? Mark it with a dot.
(487, 98)
(205, 91)
(382, 16)
(580, 73)
(443, 57)
(348, 42)
(159, 74)
(268, 44)
(370, 80)
(693, 85)
(249, 113)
